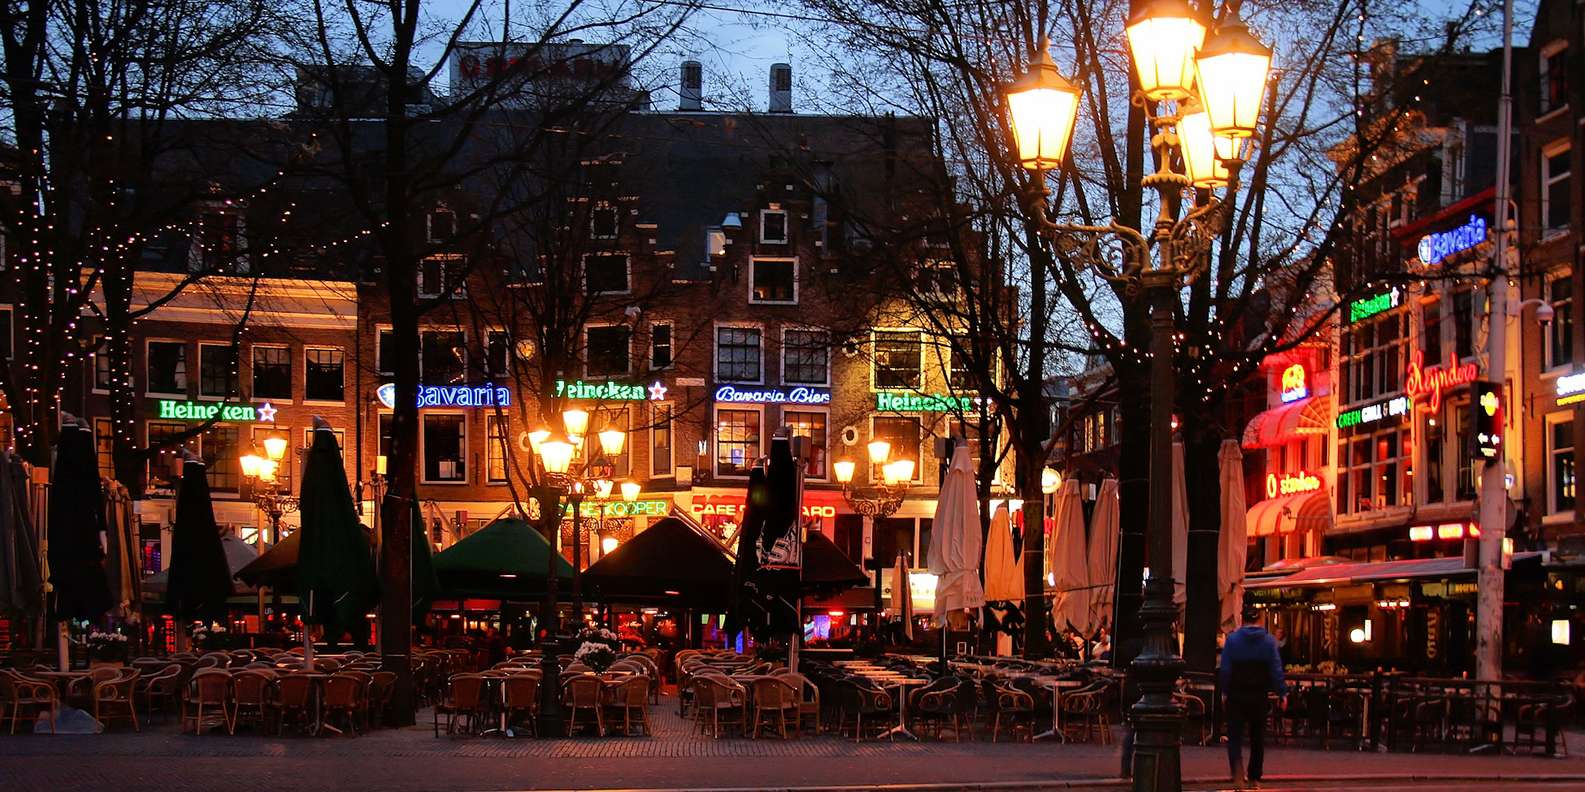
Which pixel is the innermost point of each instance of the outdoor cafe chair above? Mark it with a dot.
(582, 694)
(774, 698)
(718, 702)
(117, 698)
(250, 693)
(1016, 708)
(209, 689)
(576, 668)
(521, 692)
(343, 694)
(860, 698)
(938, 704)
(463, 699)
(630, 698)
(382, 685)
(808, 697)
(293, 700)
(20, 695)
(161, 689)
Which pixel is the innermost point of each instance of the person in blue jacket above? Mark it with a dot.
(1251, 668)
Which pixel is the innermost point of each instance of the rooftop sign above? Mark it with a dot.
(1371, 413)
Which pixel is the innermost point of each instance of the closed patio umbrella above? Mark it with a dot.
(336, 581)
(1233, 539)
(200, 579)
(1004, 578)
(1069, 561)
(503, 560)
(21, 579)
(671, 561)
(955, 542)
(1103, 555)
(903, 596)
(425, 585)
(76, 529)
(239, 555)
(1180, 526)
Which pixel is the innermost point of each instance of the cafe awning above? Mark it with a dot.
(671, 561)
(1328, 575)
(1279, 425)
(1302, 511)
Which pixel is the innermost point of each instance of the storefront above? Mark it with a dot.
(1288, 478)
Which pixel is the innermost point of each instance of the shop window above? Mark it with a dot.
(443, 357)
(272, 372)
(1374, 471)
(607, 350)
(903, 434)
(660, 440)
(221, 458)
(805, 357)
(167, 368)
(445, 447)
(1560, 335)
(324, 376)
(737, 354)
(897, 359)
(495, 432)
(737, 441)
(1560, 469)
(606, 273)
(813, 426)
(775, 281)
(1555, 197)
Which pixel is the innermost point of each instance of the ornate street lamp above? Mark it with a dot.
(262, 485)
(1233, 67)
(1163, 36)
(1042, 106)
(879, 500)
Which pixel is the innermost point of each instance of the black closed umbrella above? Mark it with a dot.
(747, 612)
(200, 578)
(76, 529)
(336, 581)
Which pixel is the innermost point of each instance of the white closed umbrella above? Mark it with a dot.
(1180, 526)
(955, 540)
(1004, 578)
(903, 596)
(1233, 539)
(1069, 561)
(1103, 555)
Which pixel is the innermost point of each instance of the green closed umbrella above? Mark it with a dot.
(200, 579)
(425, 584)
(336, 580)
(503, 560)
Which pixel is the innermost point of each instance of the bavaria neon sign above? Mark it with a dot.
(797, 395)
(1291, 483)
(1293, 384)
(1433, 248)
(609, 391)
(1433, 382)
(1370, 306)
(916, 402)
(171, 409)
(450, 395)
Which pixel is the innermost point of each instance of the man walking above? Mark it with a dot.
(1251, 668)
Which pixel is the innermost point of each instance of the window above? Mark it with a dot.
(384, 447)
(773, 226)
(1463, 324)
(444, 440)
(1372, 358)
(495, 430)
(283, 470)
(339, 434)
(323, 377)
(441, 276)
(605, 273)
(621, 464)
(165, 464)
(737, 354)
(1554, 76)
(894, 536)
(1431, 330)
(5, 331)
(903, 433)
(660, 440)
(607, 350)
(805, 357)
(497, 354)
(1560, 471)
(603, 221)
(217, 370)
(1555, 189)
(1560, 335)
(737, 441)
(775, 281)
(1458, 415)
(897, 359)
(219, 235)
(441, 225)
(272, 372)
(659, 347)
(1435, 465)
(960, 376)
(1375, 471)
(104, 448)
(385, 352)
(442, 357)
(167, 368)
(101, 356)
(813, 426)
(219, 450)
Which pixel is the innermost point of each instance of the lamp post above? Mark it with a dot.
(877, 501)
(1205, 125)
(562, 478)
(259, 473)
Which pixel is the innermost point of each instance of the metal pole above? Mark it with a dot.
(1156, 717)
(577, 561)
(1493, 484)
(549, 723)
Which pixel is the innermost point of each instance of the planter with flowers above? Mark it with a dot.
(106, 647)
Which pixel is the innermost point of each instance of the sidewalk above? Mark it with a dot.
(675, 759)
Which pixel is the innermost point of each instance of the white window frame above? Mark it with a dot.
(209, 397)
(291, 387)
(423, 376)
(919, 464)
(1547, 180)
(148, 381)
(456, 291)
(874, 360)
(671, 450)
(1543, 55)
(1560, 276)
(379, 365)
(715, 351)
(822, 410)
(793, 260)
(786, 226)
(484, 352)
(324, 348)
(616, 220)
(423, 466)
(429, 224)
(627, 267)
(672, 345)
(628, 372)
(715, 455)
(826, 383)
(506, 462)
(100, 347)
(1548, 516)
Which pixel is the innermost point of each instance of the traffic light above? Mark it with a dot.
(1486, 402)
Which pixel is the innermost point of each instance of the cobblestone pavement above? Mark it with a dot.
(398, 760)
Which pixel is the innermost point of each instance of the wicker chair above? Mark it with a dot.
(1016, 708)
(774, 699)
(19, 694)
(808, 700)
(939, 704)
(860, 699)
(160, 688)
(718, 701)
(250, 695)
(522, 698)
(345, 695)
(581, 693)
(630, 698)
(117, 698)
(293, 701)
(209, 689)
(382, 685)
(462, 700)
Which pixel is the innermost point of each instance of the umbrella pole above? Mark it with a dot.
(62, 648)
(308, 636)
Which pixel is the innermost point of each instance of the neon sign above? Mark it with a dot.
(1571, 388)
(798, 395)
(172, 409)
(619, 508)
(609, 391)
(1293, 384)
(1367, 307)
(1291, 483)
(1434, 382)
(1370, 413)
(733, 505)
(916, 402)
(450, 395)
(1436, 247)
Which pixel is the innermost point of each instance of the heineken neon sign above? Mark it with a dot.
(918, 402)
(450, 395)
(171, 409)
(658, 507)
(1446, 244)
(798, 395)
(609, 391)
(1370, 413)
(1370, 306)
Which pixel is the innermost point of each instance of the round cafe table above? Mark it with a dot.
(63, 681)
(901, 683)
(1056, 686)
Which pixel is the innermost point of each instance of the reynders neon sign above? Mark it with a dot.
(1433, 248)
(1291, 483)
(450, 395)
(798, 395)
(1294, 387)
(1433, 382)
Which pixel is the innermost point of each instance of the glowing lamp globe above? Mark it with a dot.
(1162, 37)
(250, 464)
(608, 545)
(1050, 480)
(611, 442)
(1232, 68)
(630, 490)
(537, 438)
(275, 447)
(843, 468)
(556, 455)
(576, 422)
(880, 451)
(1204, 152)
(1042, 106)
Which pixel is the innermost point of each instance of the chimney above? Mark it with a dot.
(780, 88)
(691, 94)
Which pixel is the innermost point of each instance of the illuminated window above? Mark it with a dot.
(737, 441)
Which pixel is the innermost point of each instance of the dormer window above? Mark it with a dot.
(219, 245)
(442, 226)
(773, 227)
(603, 222)
(1554, 76)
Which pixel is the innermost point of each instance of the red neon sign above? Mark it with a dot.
(1293, 384)
(1291, 483)
(1433, 382)
(733, 506)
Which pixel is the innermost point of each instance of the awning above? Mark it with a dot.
(1302, 511)
(1279, 425)
(1373, 571)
